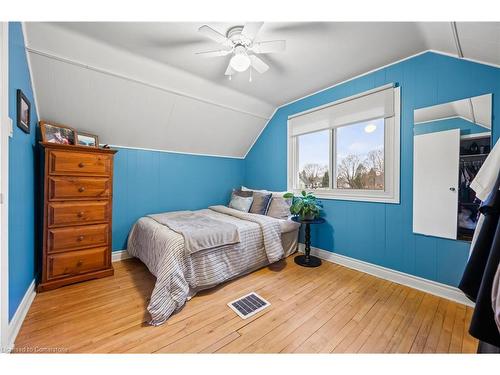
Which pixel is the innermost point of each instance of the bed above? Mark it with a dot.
(181, 272)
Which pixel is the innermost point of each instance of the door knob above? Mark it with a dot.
(452, 189)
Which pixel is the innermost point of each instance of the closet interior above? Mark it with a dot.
(473, 152)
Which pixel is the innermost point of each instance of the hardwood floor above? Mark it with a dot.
(327, 309)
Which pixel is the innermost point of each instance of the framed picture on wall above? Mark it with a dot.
(23, 112)
(52, 133)
(86, 139)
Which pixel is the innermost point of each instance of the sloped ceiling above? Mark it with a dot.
(141, 84)
(476, 110)
(131, 101)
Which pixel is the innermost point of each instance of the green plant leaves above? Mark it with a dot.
(305, 205)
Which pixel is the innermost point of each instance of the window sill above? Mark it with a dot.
(357, 196)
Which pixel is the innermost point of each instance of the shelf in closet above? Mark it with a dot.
(474, 155)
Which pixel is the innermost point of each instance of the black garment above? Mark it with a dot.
(477, 280)
(485, 348)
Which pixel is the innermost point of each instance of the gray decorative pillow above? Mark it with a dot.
(240, 203)
(279, 208)
(260, 202)
(242, 193)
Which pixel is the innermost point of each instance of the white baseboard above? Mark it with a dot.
(18, 318)
(23, 308)
(119, 255)
(428, 286)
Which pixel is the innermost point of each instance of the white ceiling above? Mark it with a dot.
(118, 79)
(476, 110)
(131, 101)
(318, 53)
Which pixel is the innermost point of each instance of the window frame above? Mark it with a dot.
(295, 148)
(391, 192)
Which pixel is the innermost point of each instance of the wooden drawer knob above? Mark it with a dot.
(79, 263)
(80, 214)
(80, 238)
(81, 189)
(81, 165)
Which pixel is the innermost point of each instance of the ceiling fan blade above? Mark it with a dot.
(258, 64)
(229, 71)
(269, 47)
(214, 35)
(251, 29)
(221, 52)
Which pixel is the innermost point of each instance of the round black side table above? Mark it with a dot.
(308, 260)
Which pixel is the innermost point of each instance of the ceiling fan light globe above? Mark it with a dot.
(240, 62)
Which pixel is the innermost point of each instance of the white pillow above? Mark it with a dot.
(274, 193)
(241, 203)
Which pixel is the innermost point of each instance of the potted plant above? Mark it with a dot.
(306, 205)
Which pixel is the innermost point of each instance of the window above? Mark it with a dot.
(314, 165)
(360, 156)
(348, 149)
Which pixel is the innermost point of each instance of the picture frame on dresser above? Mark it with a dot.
(87, 139)
(56, 133)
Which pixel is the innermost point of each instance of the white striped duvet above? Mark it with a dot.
(263, 240)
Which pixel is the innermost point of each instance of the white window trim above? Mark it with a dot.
(392, 155)
(5, 129)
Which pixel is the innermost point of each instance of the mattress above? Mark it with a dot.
(180, 276)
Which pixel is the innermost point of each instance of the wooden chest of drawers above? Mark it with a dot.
(77, 201)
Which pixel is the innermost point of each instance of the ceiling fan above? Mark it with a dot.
(239, 42)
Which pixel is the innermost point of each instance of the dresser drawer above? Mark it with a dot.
(80, 163)
(76, 262)
(70, 238)
(74, 213)
(64, 188)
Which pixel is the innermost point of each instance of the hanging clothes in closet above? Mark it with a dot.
(468, 171)
(468, 203)
(478, 280)
(495, 297)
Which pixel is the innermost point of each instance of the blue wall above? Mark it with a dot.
(21, 177)
(147, 182)
(466, 127)
(144, 182)
(375, 232)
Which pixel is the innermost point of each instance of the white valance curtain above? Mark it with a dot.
(376, 103)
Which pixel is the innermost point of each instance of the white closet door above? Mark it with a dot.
(435, 183)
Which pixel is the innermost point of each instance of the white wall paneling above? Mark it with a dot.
(131, 101)
(160, 57)
(5, 125)
(131, 114)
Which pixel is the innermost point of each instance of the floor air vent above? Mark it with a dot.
(248, 305)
